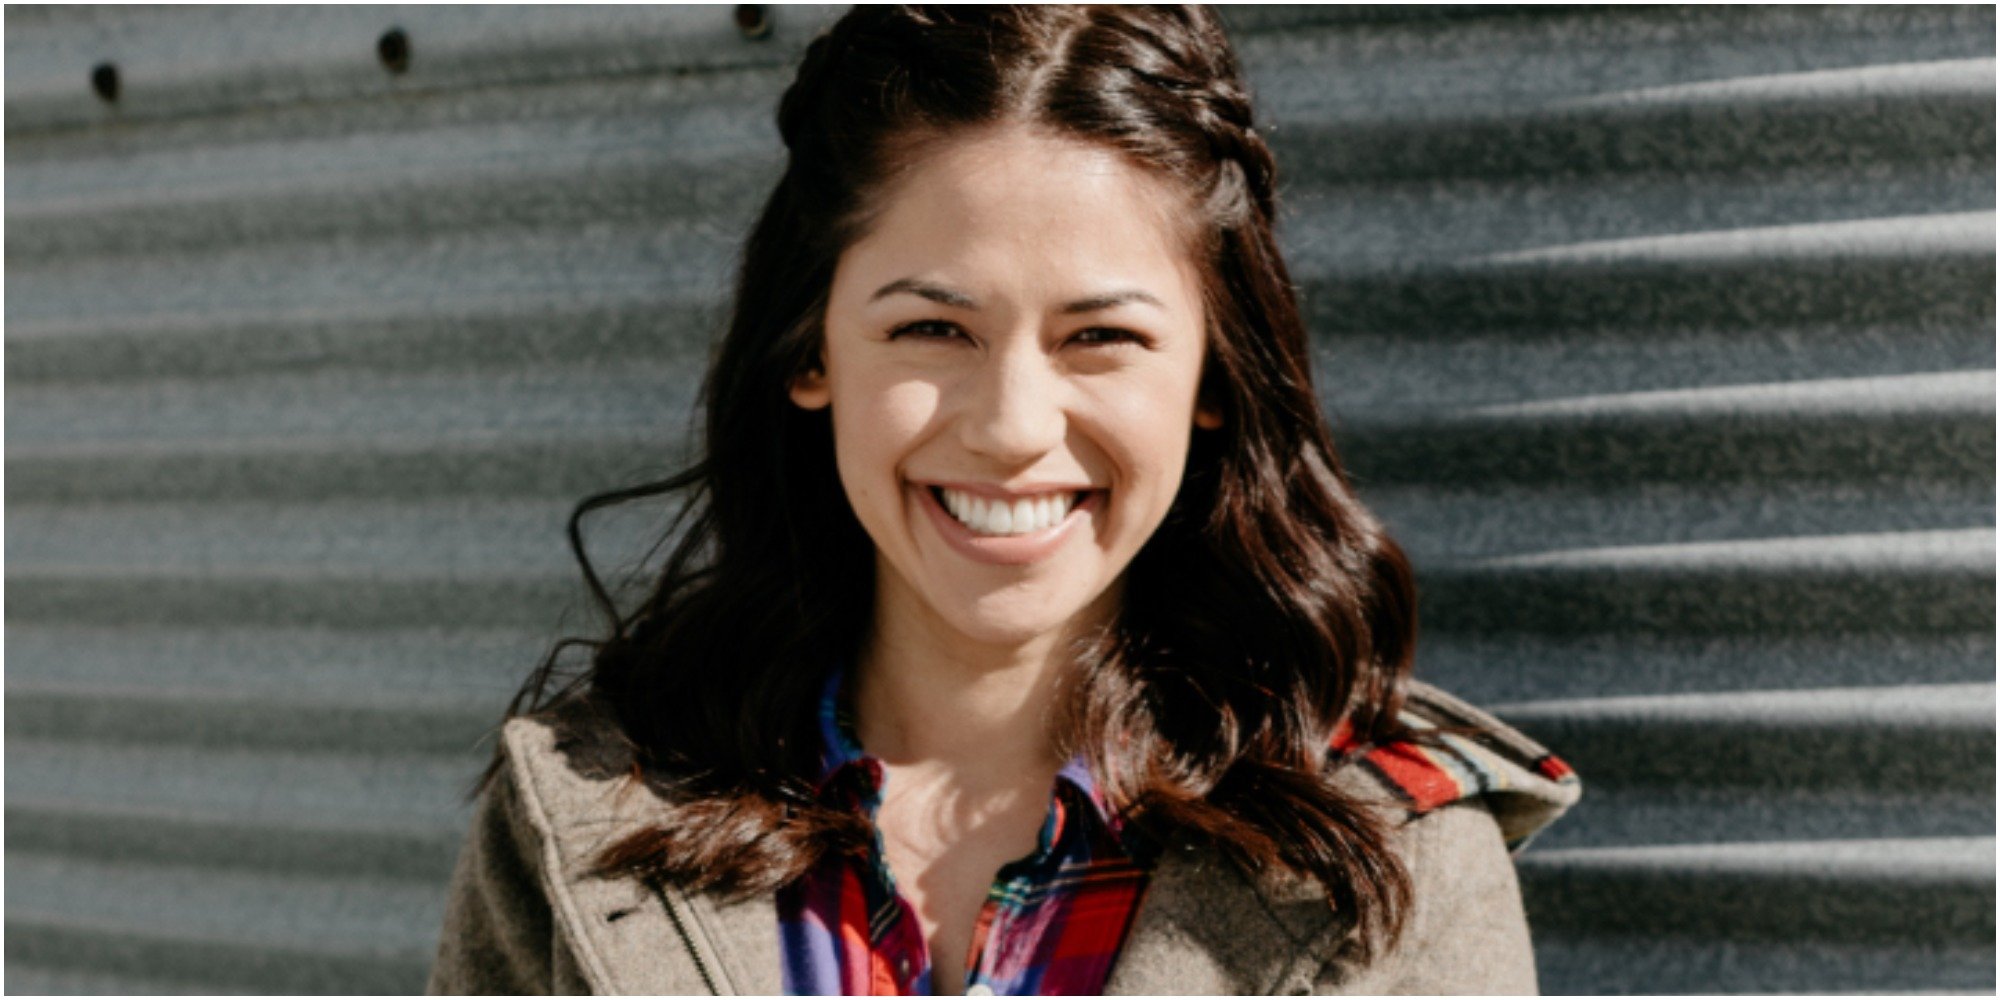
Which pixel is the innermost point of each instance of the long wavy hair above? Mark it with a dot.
(1267, 609)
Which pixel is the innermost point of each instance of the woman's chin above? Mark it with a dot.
(1003, 630)
(1019, 619)
(960, 603)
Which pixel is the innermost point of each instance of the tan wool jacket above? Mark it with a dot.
(522, 917)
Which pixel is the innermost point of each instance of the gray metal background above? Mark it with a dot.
(1663, 337)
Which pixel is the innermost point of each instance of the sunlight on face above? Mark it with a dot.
(1012, 357)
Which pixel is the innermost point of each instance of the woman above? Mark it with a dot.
(1023, 633)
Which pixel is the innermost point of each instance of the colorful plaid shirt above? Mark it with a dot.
(1052, 922)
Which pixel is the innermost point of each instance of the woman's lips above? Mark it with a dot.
(1007, 550)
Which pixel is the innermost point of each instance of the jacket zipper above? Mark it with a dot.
(681, 924)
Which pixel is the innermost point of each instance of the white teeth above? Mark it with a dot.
(998, 517)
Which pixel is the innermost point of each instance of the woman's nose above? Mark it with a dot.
(1013, 413)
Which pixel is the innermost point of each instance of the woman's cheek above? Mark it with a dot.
(902, 409)
(1149, 430)
(876, 423)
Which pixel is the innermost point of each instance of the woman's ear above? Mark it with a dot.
(809, 390)
(1207, 412)
(1207, 416)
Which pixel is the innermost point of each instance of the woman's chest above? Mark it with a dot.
(961, 899)
(949, 890)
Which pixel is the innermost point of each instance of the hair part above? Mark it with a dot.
(1269, 606)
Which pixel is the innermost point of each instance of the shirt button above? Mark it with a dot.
(979, 990)
(902, 968)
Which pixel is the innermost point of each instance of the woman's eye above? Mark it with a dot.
(926, 329)
(1106, 335)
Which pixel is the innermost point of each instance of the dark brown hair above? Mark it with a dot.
(1269, 605)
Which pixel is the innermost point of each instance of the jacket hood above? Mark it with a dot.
(1469, 754)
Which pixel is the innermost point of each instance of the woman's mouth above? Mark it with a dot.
(1009, 531)
(1000, 517)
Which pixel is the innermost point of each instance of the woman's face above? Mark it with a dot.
(1012, 355)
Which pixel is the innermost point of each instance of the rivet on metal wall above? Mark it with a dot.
(104, 80)
(393, 48)
(753, 20)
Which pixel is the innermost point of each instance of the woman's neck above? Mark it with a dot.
(947, 707)
(981, 714)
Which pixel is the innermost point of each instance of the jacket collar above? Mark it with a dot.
(1202, 927)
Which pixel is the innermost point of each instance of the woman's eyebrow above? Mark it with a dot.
(952, 297)
(1113, 299)
(930, 290)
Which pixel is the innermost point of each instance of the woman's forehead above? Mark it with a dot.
(1025, 206)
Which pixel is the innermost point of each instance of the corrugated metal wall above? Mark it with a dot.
(1664, 337)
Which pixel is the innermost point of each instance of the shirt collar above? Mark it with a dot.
(838, 746)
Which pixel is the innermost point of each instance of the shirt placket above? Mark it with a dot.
(987, 970)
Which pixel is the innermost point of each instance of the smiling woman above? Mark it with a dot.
(1023, 634)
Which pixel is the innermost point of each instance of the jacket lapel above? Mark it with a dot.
(1203, 928)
